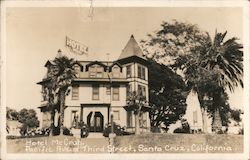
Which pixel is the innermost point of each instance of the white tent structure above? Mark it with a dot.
(193, 112)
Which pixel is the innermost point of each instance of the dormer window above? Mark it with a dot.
(116, 71)
(95, 71)
(77, 69)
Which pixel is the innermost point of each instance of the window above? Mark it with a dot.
(99, 71)
(141, 72)
(108, 90)
(129, 119)
(98, 68)
(116, 93)
(128, 68)
(74, 118)
(75, 92)
(95, 71)
(99, 75)
(143, 120)
(92, 74)
(116, 72)
(95, 92)
(77, 69)
(92, 71)
(44, 93)
(142, 90)
(128, 90)
(116, 115)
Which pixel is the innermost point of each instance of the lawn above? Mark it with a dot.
(57, 144)
(180, 143)
(146, 143)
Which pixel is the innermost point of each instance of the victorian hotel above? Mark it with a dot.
(101, 89)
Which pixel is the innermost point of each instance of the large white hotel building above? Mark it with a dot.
(101, 88)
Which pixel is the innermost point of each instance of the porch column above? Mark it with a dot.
(108, 113)
(81, 113)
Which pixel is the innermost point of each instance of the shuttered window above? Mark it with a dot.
(95, 92)
(75, 92)
(116, 93)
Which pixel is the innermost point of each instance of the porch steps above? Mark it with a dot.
(95, 135)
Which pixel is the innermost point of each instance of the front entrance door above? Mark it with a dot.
(95, 121)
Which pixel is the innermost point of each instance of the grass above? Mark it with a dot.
(145, 143)
(57, 144)
(181, 143)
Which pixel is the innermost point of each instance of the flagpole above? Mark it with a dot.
(110, 84)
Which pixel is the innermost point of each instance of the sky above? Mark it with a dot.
(33, 35)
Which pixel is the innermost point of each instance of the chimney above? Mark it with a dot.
(59, 53)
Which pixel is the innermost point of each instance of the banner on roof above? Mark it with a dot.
(76, 47)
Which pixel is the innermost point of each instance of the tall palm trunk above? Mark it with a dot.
(52, 121)
(217, 123)
(62, 107)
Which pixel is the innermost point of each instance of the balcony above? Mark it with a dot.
(101, 77)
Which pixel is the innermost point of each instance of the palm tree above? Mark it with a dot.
(61, 81)
(213, 67)
(224, 59)
(50, 96)
(136, 102)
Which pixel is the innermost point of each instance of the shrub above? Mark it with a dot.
(185, 128)
(45, 131)
(155, 129)
(66, 132)
(56, 131)
(118, 130)
(241, 131)
(84, 129)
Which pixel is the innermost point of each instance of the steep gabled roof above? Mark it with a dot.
(78, 63)
(49, 63)
(96, 62)
(115, 63)
(131, 49)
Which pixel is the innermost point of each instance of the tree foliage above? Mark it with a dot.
(172, 40)
(56, 86)
(136, 103)
(27, 117)
(167, 95)
(208, 66)
(185, 128)
(11, 114)
(236, 115)
(60, 81)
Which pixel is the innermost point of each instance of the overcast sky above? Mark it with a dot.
(35, 34)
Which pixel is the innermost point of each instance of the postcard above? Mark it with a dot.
(124, 79)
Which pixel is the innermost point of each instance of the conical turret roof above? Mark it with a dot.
(131, 49)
